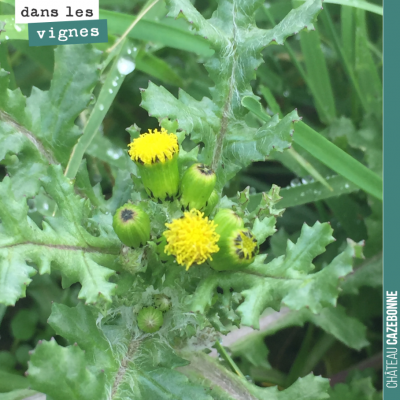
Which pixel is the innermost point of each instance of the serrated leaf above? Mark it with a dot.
(41, 130)
(78, 325)
(62, 373)
(64, 243)
(361, 389)
(285, 280)
(263, 229)
(230, 144)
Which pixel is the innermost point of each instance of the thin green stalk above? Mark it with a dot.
(223, 353)
(297, 367)
(297, 64)
(107, 95)
(346, 63)
(133, 24)
(316, 354)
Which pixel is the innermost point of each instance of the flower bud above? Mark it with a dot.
(237, 250)
(132, 225)
(227, 221)
(156, 156)
(150, 319)
(162, 302)
(198, 182)
(211, 203)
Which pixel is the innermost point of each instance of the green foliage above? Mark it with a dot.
(65, 170)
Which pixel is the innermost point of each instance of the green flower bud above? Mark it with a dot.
(211, 203)
(156, 156)
(237, 250)
(198, 182)
(162, 302)
(132, 225)
(227, 221)
(150, 319)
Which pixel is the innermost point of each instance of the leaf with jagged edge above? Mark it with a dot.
(40, 130)
(286, 280)
(142, 369)
(63, 373)
(63, 243)
(361, 389)
(237, 43)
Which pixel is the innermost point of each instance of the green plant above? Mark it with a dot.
(54, 219)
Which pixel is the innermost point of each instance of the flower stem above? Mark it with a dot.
(223, 353)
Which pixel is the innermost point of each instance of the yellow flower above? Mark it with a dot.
(153, 147)
(191, 239)
(156, 156)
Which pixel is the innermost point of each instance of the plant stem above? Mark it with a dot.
(133, 24)
(223, 353)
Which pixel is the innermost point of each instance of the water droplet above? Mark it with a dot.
(286, 93)
(115, 84)
(115, 154)
(125, 66)
(46, 206)
(295, 182)
(129, 51)
(7, 38)
(17, 28)
(346, 185)
(110, 91)
(302, 194)
(134, 49)
(101, 107)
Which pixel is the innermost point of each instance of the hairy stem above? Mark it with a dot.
(133, 346)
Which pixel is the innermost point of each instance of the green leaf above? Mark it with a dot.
(226, 385)
(286, 280)
(64, 243)
(41, 130)
(23, 325)
(367, 274)
(329, 154)
(62, 373)
(78, 325)
(230, 144)
(361, 389)
(21, 394)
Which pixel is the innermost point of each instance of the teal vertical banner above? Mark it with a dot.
(391, 275)
(68, 32)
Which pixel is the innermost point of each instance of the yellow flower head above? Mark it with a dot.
(153, 146)
(191, 239)
(245, 244)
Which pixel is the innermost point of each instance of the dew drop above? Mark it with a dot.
(110, 91)
(115, 84)
(115, 155)
(101, 107)
(7, 38)
(129, 51)
(46, 206)
(17, 28)
(295, 182)
(125, 66)
(346, 185)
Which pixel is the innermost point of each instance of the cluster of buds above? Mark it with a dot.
(224, 242)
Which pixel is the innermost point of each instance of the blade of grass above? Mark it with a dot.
(327, 20)
(326, 152)
(110, 88)
(223, 353)
(365, 68)
(310, 192)
(146, 8)
(318, 75)
(118, 23)
(361, 4)
(270, 99)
